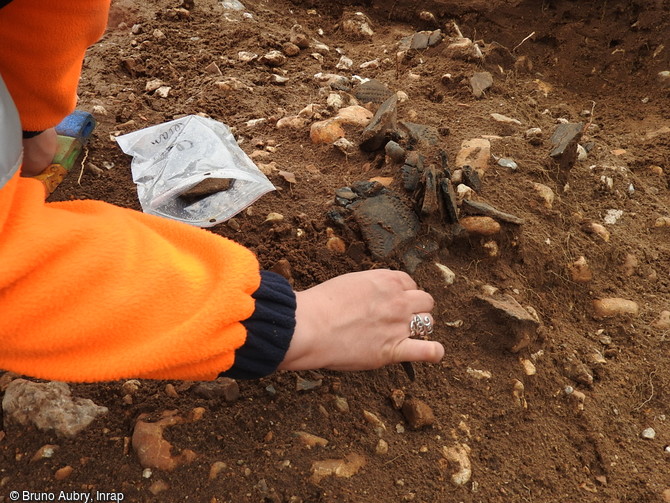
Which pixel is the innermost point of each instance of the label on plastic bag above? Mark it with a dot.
(171, 158)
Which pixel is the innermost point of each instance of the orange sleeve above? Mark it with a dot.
(41, 54)
(90, 291)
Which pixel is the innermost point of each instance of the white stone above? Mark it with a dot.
(49, 406)
(648, 434)
(504, 119)
(448, 275)
(344, 63)
(612, 216)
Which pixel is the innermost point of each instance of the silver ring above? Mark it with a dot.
(420, 326)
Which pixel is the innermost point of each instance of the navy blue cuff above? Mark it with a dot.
(31, 134)
(269, 329)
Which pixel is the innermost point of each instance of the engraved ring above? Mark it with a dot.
(420, 326)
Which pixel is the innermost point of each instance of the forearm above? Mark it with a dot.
(90, 291)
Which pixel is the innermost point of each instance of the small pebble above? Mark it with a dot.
(648, 434)
(448, 275)
(382, 447)
(63, 473)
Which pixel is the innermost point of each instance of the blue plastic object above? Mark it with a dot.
(78, 124)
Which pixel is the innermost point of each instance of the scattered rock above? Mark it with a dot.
(463, 48)
(597, 229)
(648, 434)
(291, 122)
(565, 139)
(152, 450)
(418, 413)
(397, 398)
(299, 37)
(273, 58)
(307, 384)
(216, 468)
(480, 82)
(475, 153)
(579, 372)
(534, 136)
(612, 216)
(357, 25)
(344, 63)
(246, 57)
(171, 391)
(382, 447)
(576, 397)
(63, 473)
(291, 49)
(528, 367)
(222, 388)
(327, 131)
(504, 119)
(508, 163)
(355, 115)
(273, 218)
(213, 69)
(130, 387)
(46, 451)
(458, 458)
(163, 91)
(341, 404)
(152, 85)
(519, 394)
(482, 226)
(342, 468)
(664, 78)
(478, 374)
(448, 274)
(373, 419)
(610, 307)
(580, 271)
(545, 194)
(48, 406)
(308, 440)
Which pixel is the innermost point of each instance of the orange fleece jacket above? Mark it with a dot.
(42, 46)
(91, 291)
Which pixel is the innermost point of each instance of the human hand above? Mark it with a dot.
(360, 321)
(38, 152)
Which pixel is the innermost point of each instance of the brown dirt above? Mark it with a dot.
(603, 57)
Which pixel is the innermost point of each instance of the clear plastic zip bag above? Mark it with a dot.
(170, 160)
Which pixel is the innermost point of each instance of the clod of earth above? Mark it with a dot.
(418, 413)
